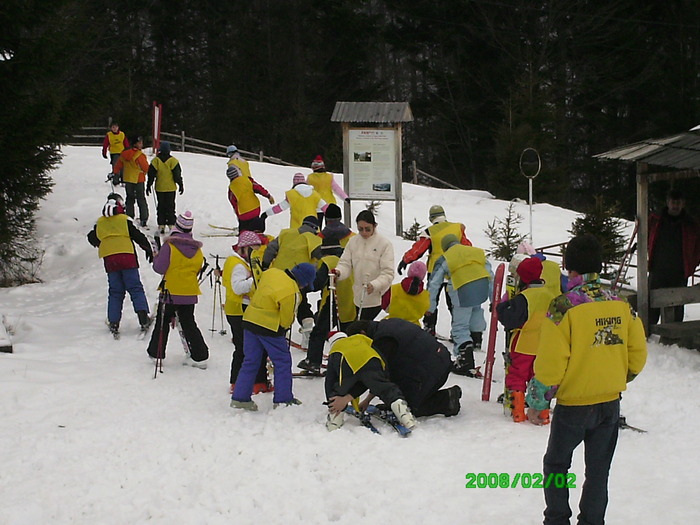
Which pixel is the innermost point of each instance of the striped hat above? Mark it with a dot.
(184, 222)
(318, 164)
(298, 179)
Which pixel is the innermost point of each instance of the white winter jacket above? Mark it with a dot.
(370, 261)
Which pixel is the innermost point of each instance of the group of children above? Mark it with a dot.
(269, 277)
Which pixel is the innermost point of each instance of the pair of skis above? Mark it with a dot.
(375, 412)
(225, 231)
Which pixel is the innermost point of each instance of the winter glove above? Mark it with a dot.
(271, 199)
(149, 256)
(182, 189)
(148, 190)
(263, 216)
(401, 267)
(347, 199)
(104, 155)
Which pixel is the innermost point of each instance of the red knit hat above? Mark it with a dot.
(318, 163)
(530, 270)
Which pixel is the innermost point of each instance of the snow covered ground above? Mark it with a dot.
(89, 437)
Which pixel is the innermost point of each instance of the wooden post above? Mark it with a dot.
(642, 244)
(182, 141)
(415, 172)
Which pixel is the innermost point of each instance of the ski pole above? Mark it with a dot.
(362, 297)
(331, 293)
(164, 297)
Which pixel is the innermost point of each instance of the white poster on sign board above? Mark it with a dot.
(372, 164)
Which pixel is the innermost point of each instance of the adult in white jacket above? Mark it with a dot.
(369, 258)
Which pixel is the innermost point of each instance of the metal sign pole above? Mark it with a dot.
(530, 165)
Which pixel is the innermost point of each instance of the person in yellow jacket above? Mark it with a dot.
(301, 201)
(267, 319)
(179, 262)
(523, 316)
(166, 172)
(325, 184)
(469, 284)
(408, 300)
(240, 275)
(135, 166)
(115, 142)
(114, 234)
(591, 345)
(354, 367)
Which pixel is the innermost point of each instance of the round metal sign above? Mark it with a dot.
(530, 163)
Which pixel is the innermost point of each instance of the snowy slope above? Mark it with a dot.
(89, 437)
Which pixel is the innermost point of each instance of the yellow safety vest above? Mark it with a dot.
(551, 275)
(116, 141)
(322, 183)
(164, 173)
(343, 292)
(408, 307)
(538, 299)
(132, 171)
(242, 188)
(301, 207)
(356, 351)
(437, 232)
(113, 233)
(295, 248)
(181, 275)
(234, 302)
(466, 264)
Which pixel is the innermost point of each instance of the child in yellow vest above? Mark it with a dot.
(523, 315)
(408, 299)
(301, 201)
(324, 183)
(240, 275)
(179, 262)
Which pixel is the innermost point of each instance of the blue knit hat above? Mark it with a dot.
(304, 274)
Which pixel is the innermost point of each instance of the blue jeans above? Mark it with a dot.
(597, 427)
(278, 350)
(120, 282)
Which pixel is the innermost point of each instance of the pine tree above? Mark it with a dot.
(504, 235)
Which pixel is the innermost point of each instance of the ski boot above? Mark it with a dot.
(261, 388)
(335, 421)
(313, 369)
(477, 337)
(517, 410)
(454, 394)
(464, 364)
(202, 365)
(144, 320)
(403, 414)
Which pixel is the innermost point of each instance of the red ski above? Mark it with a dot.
(493, 331)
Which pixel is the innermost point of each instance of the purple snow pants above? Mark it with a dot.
(278, 350)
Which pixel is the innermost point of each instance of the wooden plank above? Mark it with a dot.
(664, 297)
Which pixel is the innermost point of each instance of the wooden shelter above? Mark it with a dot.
(669, 158)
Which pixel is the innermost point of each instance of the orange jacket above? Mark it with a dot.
(136, 164)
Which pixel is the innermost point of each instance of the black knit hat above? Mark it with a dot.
(333, 212)
(584, 254)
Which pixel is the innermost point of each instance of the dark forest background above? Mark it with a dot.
(485, 79)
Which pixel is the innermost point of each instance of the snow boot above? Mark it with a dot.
(464, 364)
(335, 421)
(403, 413)
(544, 416)
(517, 410)
(202, 365)
(313, 369)
(453, 406)
(114, 329)
(293, 402)
(305, 330)
(144, 320)
(244, 405)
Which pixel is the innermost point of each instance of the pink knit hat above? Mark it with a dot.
(417, 269)
(248, 238)
(298, 179)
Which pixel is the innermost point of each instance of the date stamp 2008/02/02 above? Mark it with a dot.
(526, 480)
